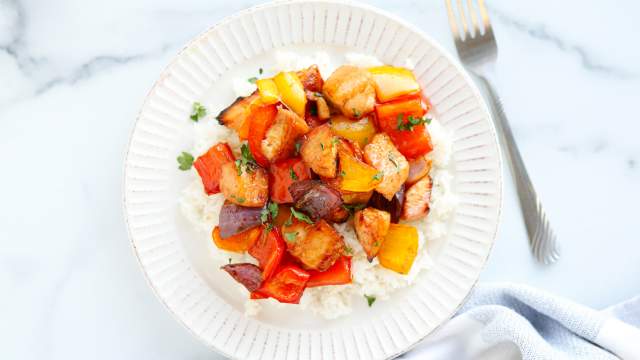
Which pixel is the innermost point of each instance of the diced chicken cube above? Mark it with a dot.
(350, 89)
(416, 199)
(319, 151)
(316, 246)
(279, 141)
(251, 188)
(371, 226)
(383, 155)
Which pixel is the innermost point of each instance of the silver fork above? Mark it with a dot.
(478, 51)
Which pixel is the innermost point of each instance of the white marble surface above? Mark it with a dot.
(73, 75)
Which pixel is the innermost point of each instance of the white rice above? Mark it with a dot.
(368, 278)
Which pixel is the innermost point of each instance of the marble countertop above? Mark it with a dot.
(74, 74)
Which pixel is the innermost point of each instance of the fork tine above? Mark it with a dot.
(463, 20)
(474, 18)
(485, 16)
(452, 21)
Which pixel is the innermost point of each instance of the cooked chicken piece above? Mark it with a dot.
(318, 249)
(279, 140)
(351, 90)
(371, 227)
(250, 189)
(416, 200)
(311, 78)
(383, 155)
(418, 168)
(317, 199)
(350, 147)
(323, 109)
(235, 116)
(319, 151)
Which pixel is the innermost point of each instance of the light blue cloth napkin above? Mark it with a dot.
(509, 321)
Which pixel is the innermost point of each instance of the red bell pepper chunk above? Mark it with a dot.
(284, 173)
(255, 295)
(261, 118)
(208, 166)
(338, 274)
(268, 249)
(286, 285)
(411, 143)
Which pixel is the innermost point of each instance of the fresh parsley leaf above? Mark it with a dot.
(269, 212)
(317, 94)
(289, 221)
(298, 144)
(322, 146)
(273, 209)
(370, 299)
(352, 208)
(335, 140)
(246, 160)
(313, 111)
(301, 216)
(378, 176)
(348, 250)
(292, 174)
(290, 236)
(260, 71)
(239, 199)
(185, 160)
(252, 79)
(411, 122)
(343, 173)
(356, 113)
(197, 111)
(239, 166)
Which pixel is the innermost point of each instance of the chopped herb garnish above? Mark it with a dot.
(289, 221)
(378, 176)
(348, 250)
(370, 299)
(298, 144)
(290, 236)
(393, 160)
(301, 216)
(335, 140)
(317, 94)
(411, 122)
(229, 260)
(246, 160)
(260, 71)
(185, 160)
(376, 243)
(252, 79)
(197, 111)
(239, 166)
(352, 208)
(292, 174)
(313, 111)
(268, 214)
(343, 173)
(322, 146)
(356, 113)
(238, 198)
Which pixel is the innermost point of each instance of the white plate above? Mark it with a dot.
(177, 265)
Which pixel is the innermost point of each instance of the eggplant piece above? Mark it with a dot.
(393, 206)
(235, 219)
(317, 199)
(246, 274)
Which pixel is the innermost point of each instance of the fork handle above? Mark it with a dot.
(541, 238)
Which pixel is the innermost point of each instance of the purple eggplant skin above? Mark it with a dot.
(393, 206)
(246, 274)
(315, 198)
(235, 219)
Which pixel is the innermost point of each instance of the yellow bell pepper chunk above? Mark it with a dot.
(268, 91)
(291, 92)
(399, 248)
(356, 175)
(360, 131)
(393, 82)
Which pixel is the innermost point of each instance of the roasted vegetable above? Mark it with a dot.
(361, 131)
(351, 90)
(291, 92)
(392, 82)
(279, 139)
(316, 247)
(208, 166)
(418, 168)
(324, 112)
(251, 188)
(396, 118)
(284, 173)
(311, 79)
(268, 249)
(317, 199)
(246, 274)
(268, 91)
(235, 219)
(286, 285)
(399, 248)
(393, 206)
(338, 274)
(383, 155)
(319, 151)
(371, 226)
(261, 118)
(239, 242)
(357, 176)
(236, 115)
(348, 197)
(416, 199)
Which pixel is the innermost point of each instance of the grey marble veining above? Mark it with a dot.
(74, 75)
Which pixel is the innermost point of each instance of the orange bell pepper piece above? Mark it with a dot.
(261, 117)
(338, 274)
(208, 166)
(393, 117)
(399, 248)
(356, 175)
(239, 242)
